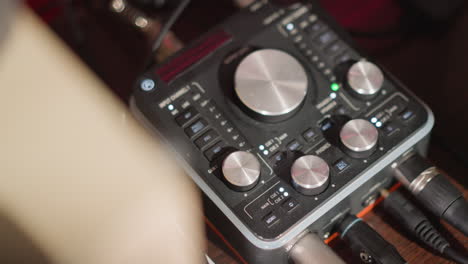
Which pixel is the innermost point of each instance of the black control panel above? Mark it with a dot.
(274, 114)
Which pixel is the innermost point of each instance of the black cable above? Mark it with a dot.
(434, 191)
(414, 221)
(456, 256)
(170, 22)
(366, 243)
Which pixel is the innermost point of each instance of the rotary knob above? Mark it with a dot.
(271, 84)
(241, 170)
(364, 79)
(359, 138)
(310, 175)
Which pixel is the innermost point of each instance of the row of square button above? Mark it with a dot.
(273, 217)
(309, 135)
(390, 128)
(197, 127)
(314, 58)
(228, 128)
(323, 38)
(328, 41)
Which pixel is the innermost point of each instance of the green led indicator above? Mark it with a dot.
(335, 87)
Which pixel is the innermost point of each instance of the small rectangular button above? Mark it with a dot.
(290, 204)
(341, 110)
(215, 150)
(196, 127)
(325, 38)
(315, 28)
(212, 107)
(278, 158)
(271, 219)
(206, 139)
(341, 165)
(389, 129)
(294, 145)
(407, 114)
(309, 135)
(186, 116)
(326, 124)
(334, 48)
(343, 58)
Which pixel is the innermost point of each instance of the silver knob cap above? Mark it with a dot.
(365, 78)
(241, 170)
(359, 136)
(271, 84)
(310, 175)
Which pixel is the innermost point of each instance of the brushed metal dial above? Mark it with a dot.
(365, 78)
(359, 135)
(271, 83)
(310, 174)
(241, 170)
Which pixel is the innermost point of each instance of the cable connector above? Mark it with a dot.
(415, 222)
(366, 243)
(434, 191)
(310, 249)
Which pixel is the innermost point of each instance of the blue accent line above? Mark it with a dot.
(349, 226)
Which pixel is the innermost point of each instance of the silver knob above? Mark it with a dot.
(360, 137)
(310, 175)
(271, 84)
(365, 79)
(241, 170)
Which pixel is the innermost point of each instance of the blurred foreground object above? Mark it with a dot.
(79, 176)
(6, 11)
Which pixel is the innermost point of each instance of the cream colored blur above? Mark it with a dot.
(77, 173)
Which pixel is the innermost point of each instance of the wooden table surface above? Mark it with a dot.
(377, 219)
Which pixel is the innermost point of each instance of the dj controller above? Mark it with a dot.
(282, 123)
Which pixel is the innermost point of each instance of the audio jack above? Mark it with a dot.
(415, 222)
(433, 190)
(367, 244)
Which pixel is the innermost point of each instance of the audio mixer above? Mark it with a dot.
(282, 123)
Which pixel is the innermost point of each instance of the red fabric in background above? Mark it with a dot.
(48, 10)
(368, 16)
(364, 15)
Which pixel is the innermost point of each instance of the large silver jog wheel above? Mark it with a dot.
(359, 138)
(310, 175)
(241, 170)
(271, 84)
(365, 79)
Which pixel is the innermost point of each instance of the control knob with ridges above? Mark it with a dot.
(241, 170)
(364, 79)
(310, 175)
(359, 138)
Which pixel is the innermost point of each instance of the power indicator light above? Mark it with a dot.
(335, 87)
(170, 107)
(374, 120)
